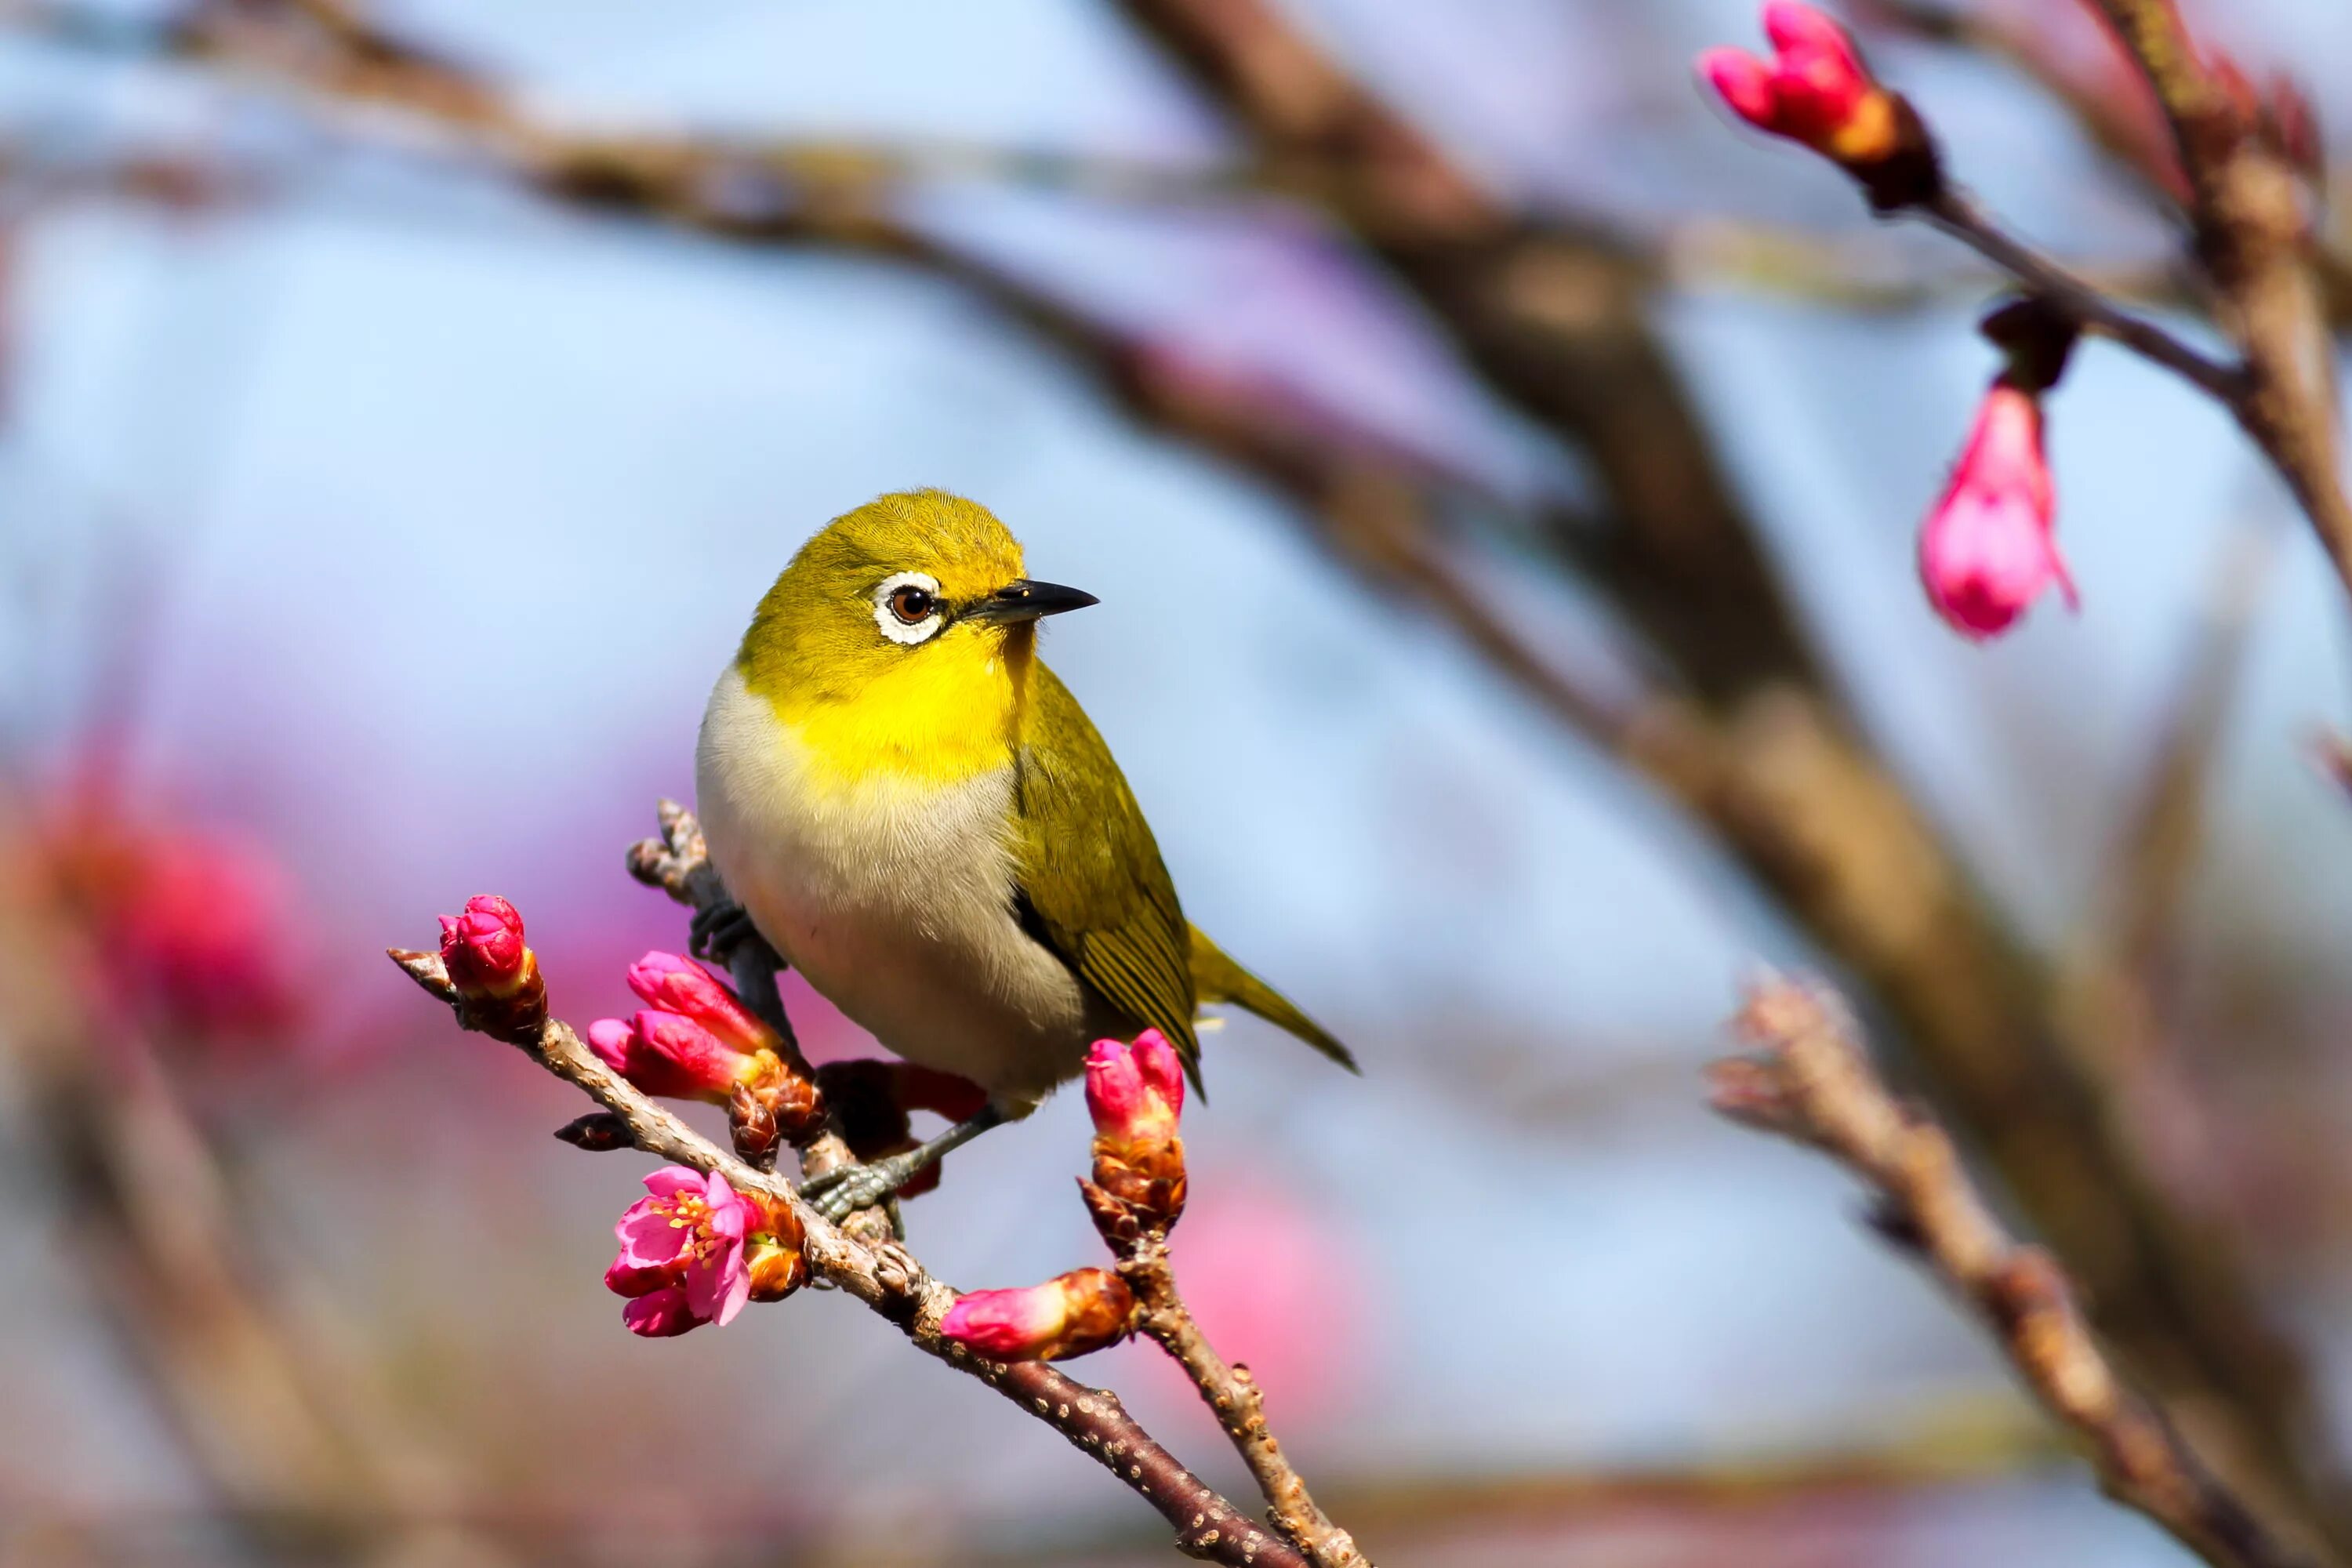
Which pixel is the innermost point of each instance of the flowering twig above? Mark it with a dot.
(884, 1275)
(1233, 1397)
(1810, 1081)
(1135, 1093)
(1961, 216)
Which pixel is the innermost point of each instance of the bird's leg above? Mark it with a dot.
(718, 930)
(844, 1190)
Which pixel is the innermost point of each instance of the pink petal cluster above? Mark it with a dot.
(1989, 547)
(670, 1055)
(679, 986)
(483, 948)
(682, 1260)
(1069, 1315)
(1135, 1093)
(1814, 90)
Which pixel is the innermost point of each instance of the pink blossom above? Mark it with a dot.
(669, 1055)
(1814, 90)
(1989, 547)
(1135, 1093)
(202, 932)
(677, 984)
(659, 1314)
(1069, 1315)
(483, 948)
(682, 1252)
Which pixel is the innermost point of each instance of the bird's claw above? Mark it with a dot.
(717, 931)
(844, 1190)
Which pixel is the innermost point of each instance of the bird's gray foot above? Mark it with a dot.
(716, 932)
(844, 1190)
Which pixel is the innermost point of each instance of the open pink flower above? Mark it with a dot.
(680, 986)
(670, 1055)
(1814, 90)
(1989, 547)
(682, 1252)
(1069, 1315)
(1135, 1093)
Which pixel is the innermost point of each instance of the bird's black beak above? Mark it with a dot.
(1025, 601)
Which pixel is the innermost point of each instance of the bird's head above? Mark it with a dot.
(922, 592)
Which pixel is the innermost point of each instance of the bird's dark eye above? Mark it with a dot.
(911, 603)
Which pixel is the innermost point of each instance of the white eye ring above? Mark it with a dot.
(886, 614)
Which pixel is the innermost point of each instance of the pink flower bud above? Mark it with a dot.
(1079, 1311)
(1135, 1093)
(1989, 547)
(483, 947)
(667, 980)
(672, 1057)
(1814, 90)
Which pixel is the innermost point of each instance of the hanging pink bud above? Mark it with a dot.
(1989, 547)
(1079, 1311)
(1816, 91)
(494, 975)
(672, 1056)
(680, 986)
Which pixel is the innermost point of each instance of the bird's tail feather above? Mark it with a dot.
(1217, 978)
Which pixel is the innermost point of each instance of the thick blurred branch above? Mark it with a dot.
(1810, 1081)
(2113, 112)
(1559, 327)
(2126, 954)
(270, 1427)
(2253, 241)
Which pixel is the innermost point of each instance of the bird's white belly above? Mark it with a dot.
(894, 896)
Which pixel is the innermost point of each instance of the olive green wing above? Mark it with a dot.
(1087, 873)
(1217, 978)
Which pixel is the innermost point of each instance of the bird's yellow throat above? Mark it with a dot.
(939, 718)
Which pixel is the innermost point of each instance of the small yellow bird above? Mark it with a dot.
(920, 818)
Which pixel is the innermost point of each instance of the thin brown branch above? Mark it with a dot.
(1233, 1397)
(888, 1279)
(1810, 1081)
(1958, 214)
